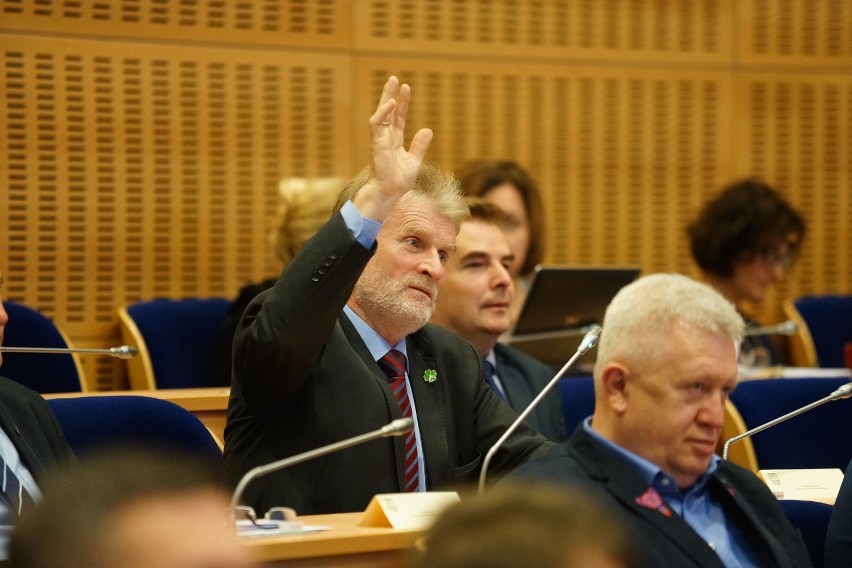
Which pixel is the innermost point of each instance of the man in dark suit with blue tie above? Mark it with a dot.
(474, 302)
(340, 346)
(31, 444)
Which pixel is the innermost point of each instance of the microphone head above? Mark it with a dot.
(398, 427)
(124, 351)
(590, 339)
(788, 327)
(843, 392)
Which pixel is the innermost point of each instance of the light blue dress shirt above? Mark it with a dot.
(365, 230)
(13, 460)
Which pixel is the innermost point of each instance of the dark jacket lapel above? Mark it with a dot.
(628, 488)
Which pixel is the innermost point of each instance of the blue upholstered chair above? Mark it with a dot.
(825, 327)
(44, 373)
(814, 439)
(176, 341)
(811, 519)
(578, 400)
(98, 422)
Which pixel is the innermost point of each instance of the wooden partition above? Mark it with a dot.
(142, 140)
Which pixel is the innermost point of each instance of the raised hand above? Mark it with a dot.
(393, 168)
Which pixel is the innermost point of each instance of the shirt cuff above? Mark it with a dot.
(364, 230)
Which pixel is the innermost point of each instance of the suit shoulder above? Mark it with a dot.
(441, 336)
(10, 389)
(517, 358)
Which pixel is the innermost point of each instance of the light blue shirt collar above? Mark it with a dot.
(375, 343)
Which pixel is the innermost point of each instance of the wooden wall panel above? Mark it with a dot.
(279, 23)
(810, 33)
(133, 174)
(657, 30)
(143, 140)
(623, 156)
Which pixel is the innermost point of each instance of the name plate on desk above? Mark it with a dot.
(804, 484)
(406, 511)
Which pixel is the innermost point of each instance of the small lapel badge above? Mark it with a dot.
(430, 375)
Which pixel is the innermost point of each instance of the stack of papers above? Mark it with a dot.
(270, 527)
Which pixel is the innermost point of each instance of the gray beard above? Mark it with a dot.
(382, 298)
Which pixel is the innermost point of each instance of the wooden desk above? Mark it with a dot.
(343, 545)
(210, 404)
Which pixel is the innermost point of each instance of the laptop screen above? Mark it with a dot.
(560, 305)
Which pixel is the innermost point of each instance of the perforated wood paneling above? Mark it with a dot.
(321, 23)
(798, 136)
(806, 32)
(623, 156)
(659, 30)
(143, 140)
(133, 174)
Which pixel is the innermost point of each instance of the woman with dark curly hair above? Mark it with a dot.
(744, 240)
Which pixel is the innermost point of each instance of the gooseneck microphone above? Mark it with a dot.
(122, 351)
(784, 328)
(589, 340)
(396, 428)
(842, 392)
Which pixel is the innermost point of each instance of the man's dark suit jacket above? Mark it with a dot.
(303, 378)
(28, 421)
(667, 540)
(523, 378)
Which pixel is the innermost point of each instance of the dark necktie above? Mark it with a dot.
(393, 364)
(488, 371)
(16, 497)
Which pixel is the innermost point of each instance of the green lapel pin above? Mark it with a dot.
(430, 375)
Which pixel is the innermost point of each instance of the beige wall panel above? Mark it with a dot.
(796, 133)
(142, 140)
(133, 173)
(659, 30)
(624, 156)
(801, 32)
(279, 23)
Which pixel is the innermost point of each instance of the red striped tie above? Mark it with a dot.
(393, 364)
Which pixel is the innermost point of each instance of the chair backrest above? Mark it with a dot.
(811, 519)
(828, 328)
(578, 400)
(176, 341)
(93, 423)
(813, 439)
(44, 373)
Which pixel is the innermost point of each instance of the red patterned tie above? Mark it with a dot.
(393, 364)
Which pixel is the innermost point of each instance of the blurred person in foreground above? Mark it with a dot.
(303, 207)
(475, 301)
(666, 364)
(838, 538)
(31, 445)
(745, 240)
(129, 509)
(341, 346)
(506, 184)
(527, 525)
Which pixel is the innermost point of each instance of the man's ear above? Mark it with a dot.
(614, 380)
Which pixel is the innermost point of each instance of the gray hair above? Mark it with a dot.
(432, 186)
(639, 318)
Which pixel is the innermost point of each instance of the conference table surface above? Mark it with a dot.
(344, 544)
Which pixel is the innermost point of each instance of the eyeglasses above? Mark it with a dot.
(782, 257)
